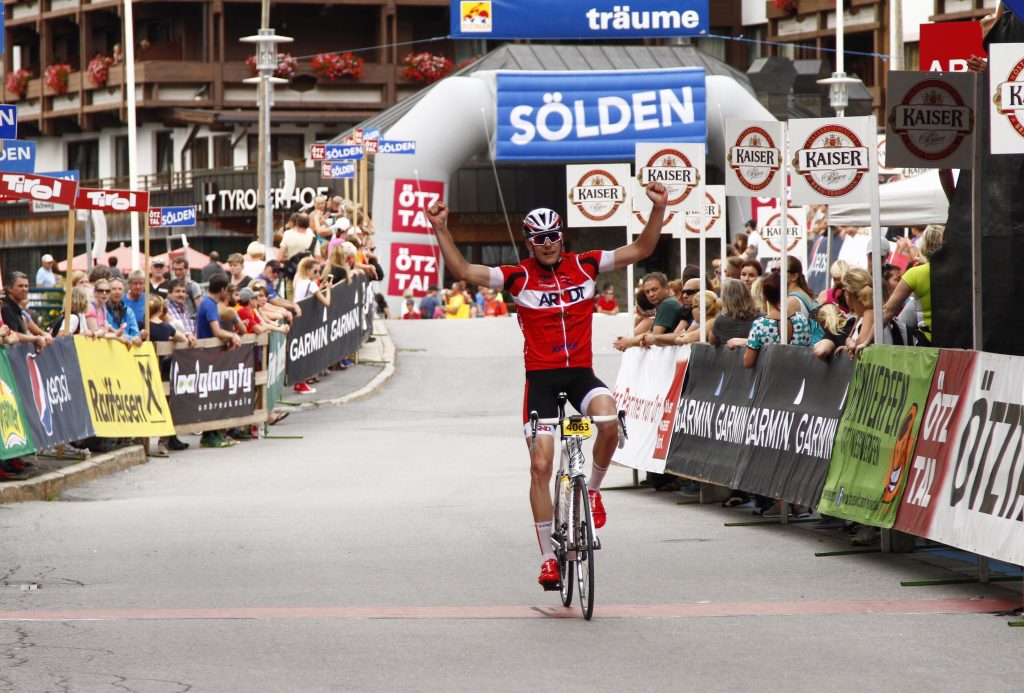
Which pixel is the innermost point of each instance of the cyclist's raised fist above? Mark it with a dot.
(657, 193)
(438, 214)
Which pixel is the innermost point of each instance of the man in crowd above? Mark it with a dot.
(115, 271)
(212, 267)
(158, 278)
(271, 275)
(459, 304)
(16, 291)
(119, 314)
(299, 239)
(236, 269)
(136, 296)
(179, 267)
(670, 313)
(207, 326)
(178, 313)
(494, 307)
(45, 278)
(429, 303)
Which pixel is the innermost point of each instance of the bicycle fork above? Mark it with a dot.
(569, 469)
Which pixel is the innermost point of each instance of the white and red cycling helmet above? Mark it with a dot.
(540, 221)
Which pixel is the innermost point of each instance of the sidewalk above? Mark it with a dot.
(375, 365)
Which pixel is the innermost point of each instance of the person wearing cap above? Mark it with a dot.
(429, 303)
(270, 276)
(410, 312)
(158, 277)
(45, 278)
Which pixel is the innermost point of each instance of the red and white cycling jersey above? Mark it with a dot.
(555, 307)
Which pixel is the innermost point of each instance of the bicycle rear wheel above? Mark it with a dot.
(583, 532)
(562, 529)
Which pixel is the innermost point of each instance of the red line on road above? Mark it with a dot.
(708, 610)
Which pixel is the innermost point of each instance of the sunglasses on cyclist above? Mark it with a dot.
(543, 238)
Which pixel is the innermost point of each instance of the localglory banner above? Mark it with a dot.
(931, 121)
(1006, 75)
(753, 161)
(598, 195)
(872, 453)
(643, 391)
(834, 159)
(212, 384)
(680, 168)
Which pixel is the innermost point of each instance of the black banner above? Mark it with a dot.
(791, 426)
(50, 383)
(324, 335)
(212, 384)
(707, 438)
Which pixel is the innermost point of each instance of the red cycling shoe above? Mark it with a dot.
(597, 509)
(549, 577)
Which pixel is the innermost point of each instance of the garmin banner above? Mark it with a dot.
(789, 431)
(324, 335)
(597, 116)
(212, 384)
(52, 392)
(708, 430)
(643, 390)
(576, 19)
(876, 436)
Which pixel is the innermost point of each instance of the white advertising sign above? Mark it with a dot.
(641, 390)
(769, 232)
(598, 194)
(753, 158)
(834, 159)
(680, 167)
(931, 120)
(714, 215)
(1006, 79)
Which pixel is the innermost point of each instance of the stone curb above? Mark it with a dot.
(380, 352)
(50, 485)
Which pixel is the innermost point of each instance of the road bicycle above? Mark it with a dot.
(572, 526)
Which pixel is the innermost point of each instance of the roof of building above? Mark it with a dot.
(567, 57)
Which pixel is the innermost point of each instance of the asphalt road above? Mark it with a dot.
(390, 548)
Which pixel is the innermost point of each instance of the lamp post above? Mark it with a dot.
(266, 63)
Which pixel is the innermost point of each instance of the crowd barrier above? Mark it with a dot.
(926, 441)
(80, 387)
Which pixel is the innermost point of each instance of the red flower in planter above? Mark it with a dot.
(337, 65)
(17, 82)
(56, 77)
(425, 67)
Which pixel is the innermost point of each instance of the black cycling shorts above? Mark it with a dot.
(542, 388)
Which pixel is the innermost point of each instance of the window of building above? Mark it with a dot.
(200, 153)
(84, 156)
(223, 155)
(121, 156)
(164, 152)
(281, 147)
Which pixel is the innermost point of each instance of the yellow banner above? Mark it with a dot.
(123, 390)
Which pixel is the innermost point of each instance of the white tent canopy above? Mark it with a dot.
(916, 201)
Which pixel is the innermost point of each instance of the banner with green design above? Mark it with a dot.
(874, 446)
(15, 439)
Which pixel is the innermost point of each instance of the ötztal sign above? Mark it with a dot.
(836, 159)
(931, 120)
(1006, 70)
(113, 200)
(754, 158)
(597, 194)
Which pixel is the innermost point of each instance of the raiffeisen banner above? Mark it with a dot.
(597, 116)
(577, 19)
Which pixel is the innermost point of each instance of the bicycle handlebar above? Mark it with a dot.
(535, 421)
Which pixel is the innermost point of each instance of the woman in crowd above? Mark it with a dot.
(799, 298)
(643, 317)
(336, 266)
(162, 331)
(860, 298)
(318, 219)
(737, 315)
(750, 270)
(79, 306)
(713, 307)
(891, 276)
(96, 314)
(757, 296)
(765, 329)
(675, 289)
(917, 281)
(834, 293)
(307, 282)
(255, 259)
(268, 312)
(836, 327)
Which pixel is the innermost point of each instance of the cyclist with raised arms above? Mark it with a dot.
(554, 293)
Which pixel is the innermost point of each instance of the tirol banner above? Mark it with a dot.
(976, 502)
(709, 430)
(642, 391)
(595, 115)
(791, 427)
(571, 19)
(212, 384)
(936, 443)
(873, 447)
(275, 368)
(123, 389)
(15, 435)
(324, 335)
(51, 389)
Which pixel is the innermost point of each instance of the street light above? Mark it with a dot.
(266, 63)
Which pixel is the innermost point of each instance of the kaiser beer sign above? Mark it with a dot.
(597, 116)
(1006, 72)
(598, 195)
(753, 160)
(836, 159)
(931, 120)
(680, 168)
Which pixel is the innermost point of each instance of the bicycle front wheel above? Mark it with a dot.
(584, 538)
(562, 529)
